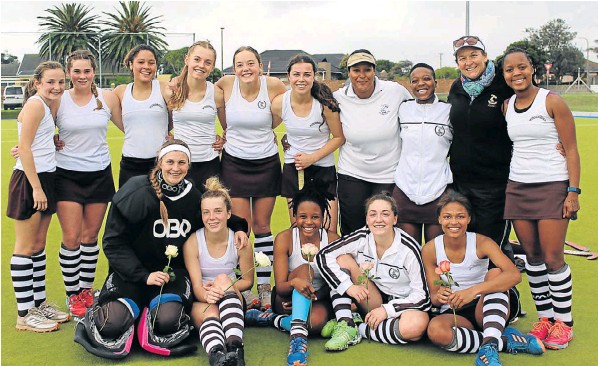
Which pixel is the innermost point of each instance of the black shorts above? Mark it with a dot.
(468, 311)
(352, 194)
(115, 287)
(409, 212)
(84, 187)
(20, 195)
(251, 178)
(202, 170)
(132, 167)
(290, 180)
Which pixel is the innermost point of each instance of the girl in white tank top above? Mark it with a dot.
(210, 257)
(460, 259)
(195, 105)
(310, 114)
(249, 133)
(144, 112)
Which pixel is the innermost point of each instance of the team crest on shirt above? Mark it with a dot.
(440, 131)
(394, 273)
(261, 104)
(492, 102)
(156, 105)
(384, 109)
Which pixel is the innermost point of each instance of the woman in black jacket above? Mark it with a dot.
(149, 220)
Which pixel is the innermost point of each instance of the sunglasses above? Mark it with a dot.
(469, 40)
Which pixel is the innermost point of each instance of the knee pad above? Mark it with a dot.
(171, 344)
(88, 335)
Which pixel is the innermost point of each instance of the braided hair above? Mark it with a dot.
(314, 191)
(156, 184)
(85, 55)
(319, 91)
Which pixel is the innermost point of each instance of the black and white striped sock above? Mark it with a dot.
(232, 318)
(298, 328)
(39, 277)
(495, 313)
(386, 332)
(70, 261)
(277, 322)
(465, 340)
(89, 260)
(21, 271)
(561, 291)
(537, 275)
(211, 334)
(264, 243)
(341, 305)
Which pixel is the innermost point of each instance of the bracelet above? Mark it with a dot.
(574, 189)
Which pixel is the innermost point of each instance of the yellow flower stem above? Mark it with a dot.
(231, 285)
(160, 296)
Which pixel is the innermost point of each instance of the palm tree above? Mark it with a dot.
(133, 17)
(68, 28)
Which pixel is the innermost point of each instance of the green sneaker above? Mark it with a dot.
(329, 328)
(343, 336)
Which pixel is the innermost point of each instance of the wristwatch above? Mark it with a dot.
(574, 189)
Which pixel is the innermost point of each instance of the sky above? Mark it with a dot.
(420, 31)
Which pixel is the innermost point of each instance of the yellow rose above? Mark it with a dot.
(171, 251)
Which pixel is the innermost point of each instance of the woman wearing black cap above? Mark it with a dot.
(481, 150)
(369, 116)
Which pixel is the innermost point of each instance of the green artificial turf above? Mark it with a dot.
(268, 346)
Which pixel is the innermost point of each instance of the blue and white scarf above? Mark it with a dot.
(475, 87)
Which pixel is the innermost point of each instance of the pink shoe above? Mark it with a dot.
(541, 328)
(559, 336)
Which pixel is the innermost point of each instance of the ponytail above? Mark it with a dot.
(215, 188)
(94, 91)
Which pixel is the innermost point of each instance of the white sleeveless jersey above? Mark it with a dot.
(305, 134)
(145, 123)
(296, 258)
(426, 134)
(195, 123)
(42, 146)
(212, 267)
(249, 124)
(534, 135)
(83, 130)
(468, 273)
(371, 127)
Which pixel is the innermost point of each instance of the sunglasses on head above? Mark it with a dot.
(469, 40)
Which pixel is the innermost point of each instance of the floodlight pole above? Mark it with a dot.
(222, 51)
(587, 60)
(467, 18)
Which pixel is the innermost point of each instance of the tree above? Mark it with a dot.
(55, 43)
(342, 65)
(384, 65)
(7, 58)
(595, 49)
(539, 57)
(400, 69)
(133, 17)
(554, 39)
(174, 60)
(447, 72)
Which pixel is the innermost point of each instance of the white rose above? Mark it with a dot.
(171, 251)
(262, 260)
(309, 250)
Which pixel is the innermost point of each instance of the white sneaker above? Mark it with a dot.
(52, 312)
(36, 321)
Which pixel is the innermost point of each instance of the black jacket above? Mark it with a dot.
(480, 153)
(135, 237)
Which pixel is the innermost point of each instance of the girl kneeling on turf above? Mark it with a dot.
(477, 303)
(211, 258)
(297, 281)
(394, 299)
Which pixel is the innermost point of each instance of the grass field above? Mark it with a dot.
(268, 346)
